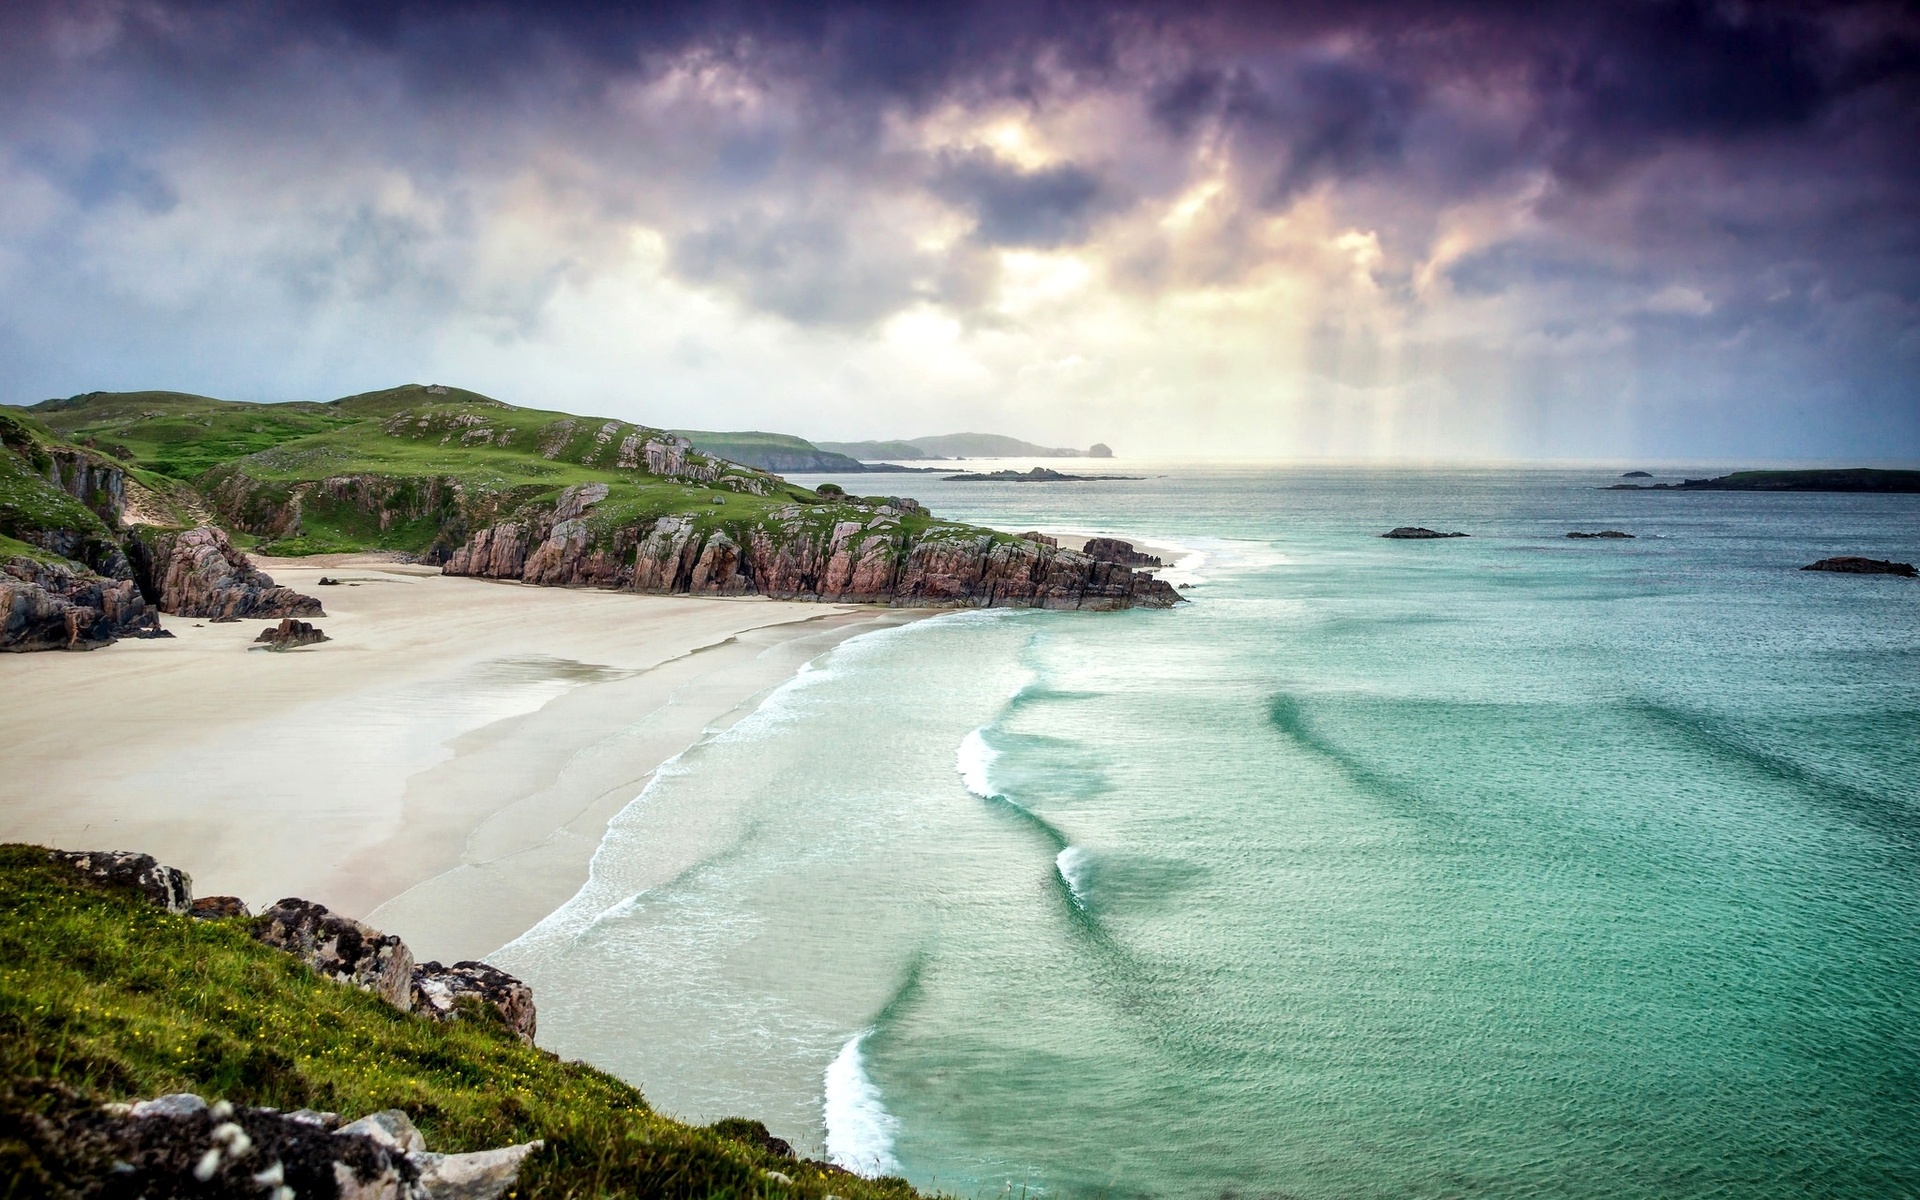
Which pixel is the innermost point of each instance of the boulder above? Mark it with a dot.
(290, 634)
(219, 908)
(480, 1175)
(1862, 566)
(198, 573)
(437, 991)
(50, 606)
(340, 948)
(168, 887)
(1418, 532)
(1114, 550)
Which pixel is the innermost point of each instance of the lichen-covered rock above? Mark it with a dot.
(437, 991)
(169, 887)
(198, 573)
(290, 634)
(340, 948)
(45, 606)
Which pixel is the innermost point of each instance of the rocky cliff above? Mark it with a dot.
(53, 606)
(850, 552)
(198, 573)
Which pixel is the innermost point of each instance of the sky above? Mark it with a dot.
(1653, 230)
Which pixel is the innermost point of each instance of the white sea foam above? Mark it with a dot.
(1072, 863)
(975, 761)
(860, 1131)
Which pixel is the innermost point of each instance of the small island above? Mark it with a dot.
(1853, 479)
(1418, 533)
(1036, 475)
(1850, 565)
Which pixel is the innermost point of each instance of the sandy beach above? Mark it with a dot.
(443, 768)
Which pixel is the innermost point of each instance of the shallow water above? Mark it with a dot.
(1510, 865)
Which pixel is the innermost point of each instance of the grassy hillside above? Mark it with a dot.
(409, 468)
(768, 451)
(104, 995)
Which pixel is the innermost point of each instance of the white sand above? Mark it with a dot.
(443, 768)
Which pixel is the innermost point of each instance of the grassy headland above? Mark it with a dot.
(105, 997)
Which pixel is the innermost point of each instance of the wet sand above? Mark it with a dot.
(443, 768)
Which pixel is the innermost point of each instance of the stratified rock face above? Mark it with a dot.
(1848, 565)
(169, 887)
(1418, 532)
(290, 634)
(340, 948)
(198, 573)
(1117, 551)
(437, 991)
(797, 556)
(51, 607)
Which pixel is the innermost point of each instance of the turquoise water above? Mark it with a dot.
(1506, 866)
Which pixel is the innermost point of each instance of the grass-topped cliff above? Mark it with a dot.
(106, 997)
(488, 488)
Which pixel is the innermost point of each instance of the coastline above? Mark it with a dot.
(443, 768)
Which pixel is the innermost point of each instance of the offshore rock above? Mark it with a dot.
(867, 555)
(290, 634)
(340, 948)
(437, 991)
(1862, 566)
(169, 887)
(198, 573)
(47, 606)
(1418, 532)
(1604, 533)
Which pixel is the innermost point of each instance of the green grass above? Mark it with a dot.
(181, 436)
(105, 994)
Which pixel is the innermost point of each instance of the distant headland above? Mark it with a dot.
(1852, 479)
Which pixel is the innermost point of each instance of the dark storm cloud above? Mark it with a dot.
(1044, 207)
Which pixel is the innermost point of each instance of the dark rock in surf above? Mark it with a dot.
(1862, 566)
(1604, 533)
(1418, 533)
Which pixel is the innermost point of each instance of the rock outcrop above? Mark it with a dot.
(47, 606)
(340, 948)
(1116, 551)
(219, 908)
(1862, 566)
(198, 573)
(850, 554)
(1418, 532)
(180, 1145)
(437, 992)
(1604, 533)
(168, 887)
(290, 634)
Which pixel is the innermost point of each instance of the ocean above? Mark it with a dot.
(1510, 865)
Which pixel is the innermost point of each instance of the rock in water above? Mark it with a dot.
(1862, 566)
(1416, 532)
(169, 887)
(1604, 533)
(340, 948)
(437, 991)
(291, 634)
